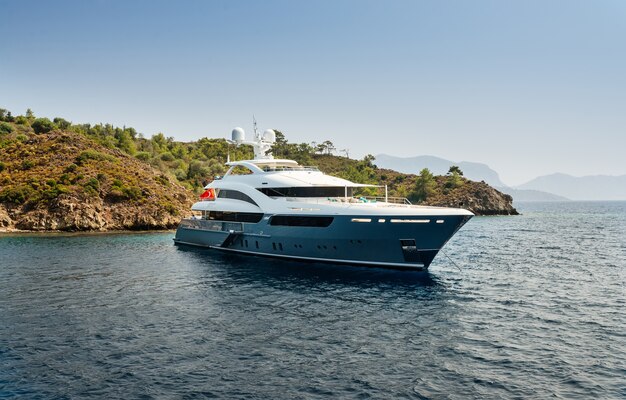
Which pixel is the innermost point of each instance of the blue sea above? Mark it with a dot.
(529, 306)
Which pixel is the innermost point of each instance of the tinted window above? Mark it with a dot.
(292, 220)
(235, 194)
(235, 216)
(307, 191)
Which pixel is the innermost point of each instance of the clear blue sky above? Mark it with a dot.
(528, 87)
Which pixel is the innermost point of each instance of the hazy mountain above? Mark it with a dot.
(530, 195)
(597, 187)
(471, 170)
(439, 166)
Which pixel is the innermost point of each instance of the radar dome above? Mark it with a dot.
(269, 136)
(239, 135)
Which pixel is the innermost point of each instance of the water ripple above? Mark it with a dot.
(537, 310)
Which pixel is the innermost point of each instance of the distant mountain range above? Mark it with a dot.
(555, 187)
(530, 195)
(595, 187)
(439, 166)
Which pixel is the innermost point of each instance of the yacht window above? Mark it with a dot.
(306, 191)
(361, 220)
(410, 221)
(234, 216)
(298, 220)
(240, 170)
(235, 194)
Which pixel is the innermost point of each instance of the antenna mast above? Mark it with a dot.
(256, 134)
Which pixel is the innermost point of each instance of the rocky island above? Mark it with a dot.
(57, 176)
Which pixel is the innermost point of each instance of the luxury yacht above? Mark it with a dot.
(277, 208)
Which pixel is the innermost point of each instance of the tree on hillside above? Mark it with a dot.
(280, 137)
(425, 186)
(363, 171)
(159, 142)
(454, 177)
(369, 159)
(30, 116)
(125, 141)
(454, 169)
(326, 147)
(61, 123)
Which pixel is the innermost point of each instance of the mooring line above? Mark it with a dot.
(451, 260)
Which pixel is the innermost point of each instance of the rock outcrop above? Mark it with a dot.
(477, 197)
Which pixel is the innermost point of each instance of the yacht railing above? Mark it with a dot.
(351, 200)
(393, 200)
(289, 168)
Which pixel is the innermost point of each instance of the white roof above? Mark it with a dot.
(281, 173)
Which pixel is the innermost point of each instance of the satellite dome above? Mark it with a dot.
(269, 136)
(239, 135)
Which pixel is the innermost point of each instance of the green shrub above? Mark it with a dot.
(167, 156)
(43, 125)
(54, 192)
(2, 166)
(62, 123)
(65, 178)
(21, 120)
(92, 186)
(132, 192)
(162, 179)
(169, 207)
(121, 192)
(93, 155)
(180, 174)
(18, 195)
(27, 164)
(143, 156)
(5, 128)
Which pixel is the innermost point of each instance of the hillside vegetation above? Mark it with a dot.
(58, 175)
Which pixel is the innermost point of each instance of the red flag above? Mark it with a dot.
(208, 194)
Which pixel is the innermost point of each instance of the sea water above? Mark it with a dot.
(529, 306)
